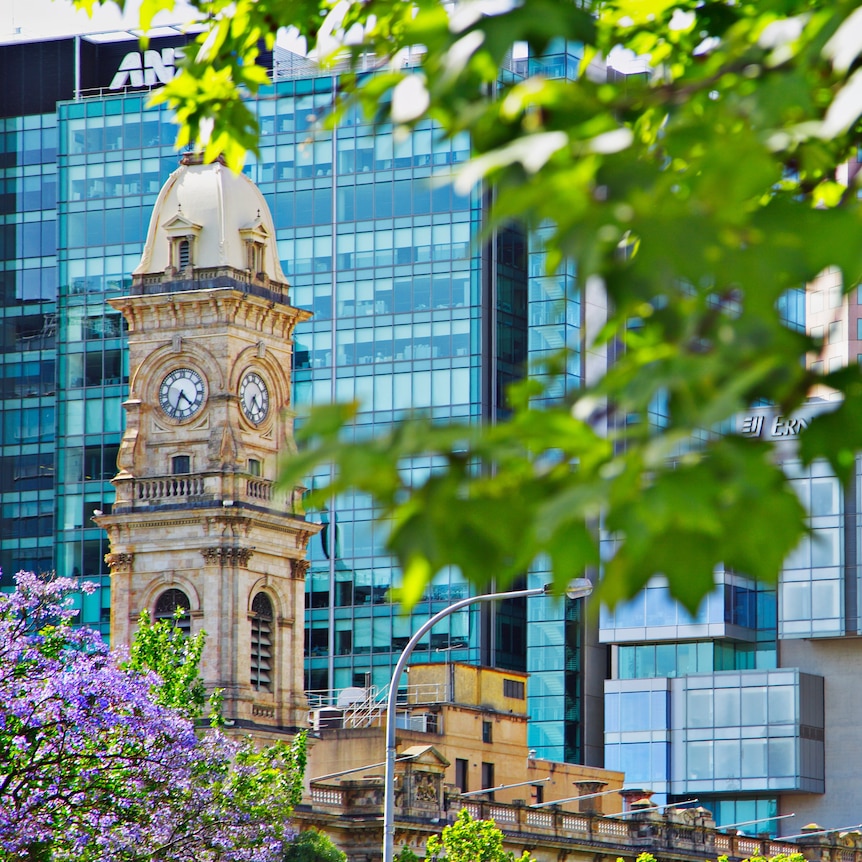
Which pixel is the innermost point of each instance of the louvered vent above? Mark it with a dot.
(167, 605)
(261, 642)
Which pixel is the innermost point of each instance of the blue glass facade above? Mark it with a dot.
(386, 260)
(556, 635)
(28, 290)
(113, 156)
(811, 597)
(411, 312)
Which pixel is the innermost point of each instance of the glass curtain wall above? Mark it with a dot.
(114, 156)
(555, 637)
(28, 324)
(387, 259)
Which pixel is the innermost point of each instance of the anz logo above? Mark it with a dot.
(147, 68)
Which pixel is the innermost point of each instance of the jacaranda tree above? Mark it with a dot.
(94, 766)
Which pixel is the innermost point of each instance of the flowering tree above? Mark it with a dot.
(93, 766)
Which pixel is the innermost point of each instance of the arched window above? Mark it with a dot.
(167, 605)
(184, 253)
(254, 254)
(261, 642)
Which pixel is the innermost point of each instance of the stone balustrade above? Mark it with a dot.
(551, 834)
(170, 488)
(259, 489)
(205, 488)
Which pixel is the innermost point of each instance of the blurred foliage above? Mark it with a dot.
(691, 197)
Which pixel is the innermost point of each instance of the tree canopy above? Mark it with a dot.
(471, 840)
(95, 765)
(174, 657)
(691, 198)
(311, 845)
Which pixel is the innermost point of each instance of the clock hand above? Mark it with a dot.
(183, 395)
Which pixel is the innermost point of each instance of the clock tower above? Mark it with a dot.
(198, 523)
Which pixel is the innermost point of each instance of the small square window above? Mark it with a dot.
(254, 467)
(513, 688)
(181, 464)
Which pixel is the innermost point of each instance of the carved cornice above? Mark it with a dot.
(227, 556)
(302, 538)
(121, 562)
(299, 568)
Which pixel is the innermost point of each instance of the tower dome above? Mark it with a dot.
(208, 218)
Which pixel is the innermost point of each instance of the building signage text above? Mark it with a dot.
(778, 426)
(145, 69)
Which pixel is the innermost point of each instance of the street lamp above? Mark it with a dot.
(576, 589)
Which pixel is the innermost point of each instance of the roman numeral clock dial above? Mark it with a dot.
(254, 398)
(182, 393)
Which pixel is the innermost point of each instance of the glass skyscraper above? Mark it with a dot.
(411, 312)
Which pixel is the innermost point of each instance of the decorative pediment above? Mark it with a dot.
(423, 755)
(255, 232)
(422, 784)
(179, 225)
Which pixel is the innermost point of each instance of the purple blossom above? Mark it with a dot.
(92, 767)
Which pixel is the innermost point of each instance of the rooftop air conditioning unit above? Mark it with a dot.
(326, 718)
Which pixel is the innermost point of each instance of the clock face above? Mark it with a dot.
(254, 398)
(182, 393)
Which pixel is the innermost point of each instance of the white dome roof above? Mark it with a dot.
(221, 210)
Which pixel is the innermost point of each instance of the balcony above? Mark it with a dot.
(173, 487)
(203, 489)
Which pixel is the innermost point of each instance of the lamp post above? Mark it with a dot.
(578, 588)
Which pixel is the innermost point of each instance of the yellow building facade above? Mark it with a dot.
(475, 719)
